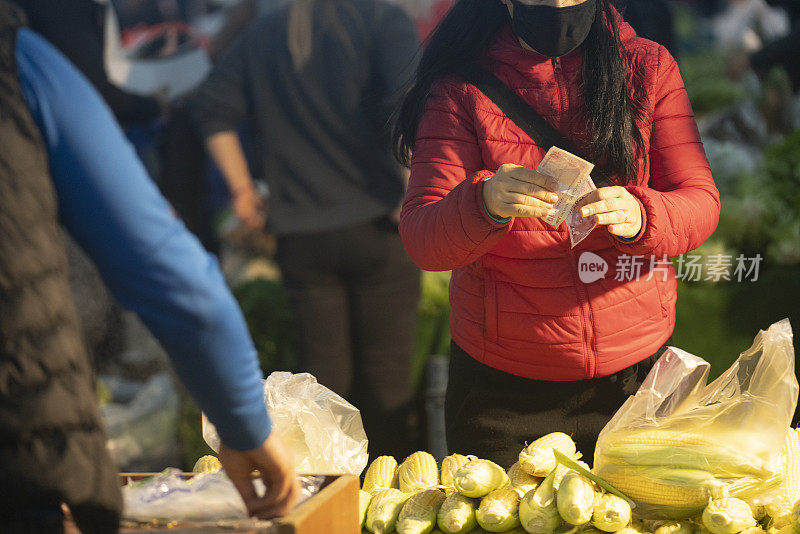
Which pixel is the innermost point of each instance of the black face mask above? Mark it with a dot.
(553, 31)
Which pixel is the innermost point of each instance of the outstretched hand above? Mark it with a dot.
(275, 464)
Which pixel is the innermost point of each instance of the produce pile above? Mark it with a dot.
(550, 491)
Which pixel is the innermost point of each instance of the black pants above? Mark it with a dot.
(494, 414)
(354, 293)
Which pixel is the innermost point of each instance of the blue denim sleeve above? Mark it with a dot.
(152, 264)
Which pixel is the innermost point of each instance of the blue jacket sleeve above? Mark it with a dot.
(152, 264)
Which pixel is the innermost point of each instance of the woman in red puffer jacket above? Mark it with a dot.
(538, 346)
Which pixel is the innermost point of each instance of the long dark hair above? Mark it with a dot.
(613, 92)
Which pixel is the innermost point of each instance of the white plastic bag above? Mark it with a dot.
(323, 430)
(741, 419)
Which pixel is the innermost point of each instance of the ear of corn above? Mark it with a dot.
(545, 494)
(753, 530)
(781, 509)
(450, 465)
(562, 470)
(728, 516)
(683, 450)
(575, 499)
(610, 513)
(381, 474)
(206, 464)
(384, 509)
(479, 477)
(537, 518)
(499, 510)
(522, 481)
(457, 514)
(418, 515)
(537, 459)
(417, 472)
(676, 527)
(677, 493)
(364, 498)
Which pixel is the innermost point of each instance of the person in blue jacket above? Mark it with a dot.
(152, 265)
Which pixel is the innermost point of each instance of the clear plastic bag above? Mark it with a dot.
(206, 497)
(719, 439)
(323, 430)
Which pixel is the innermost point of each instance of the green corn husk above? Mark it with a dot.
(457, 514)
(419, 513)
(499, 510)
(728, 516)
(575, 499)
(364, 498)
(537, 518)
(610, 513)
(450, 465)
(417, 472)
(478, 478)
(537, 459)
(384, 509)
(522, 481)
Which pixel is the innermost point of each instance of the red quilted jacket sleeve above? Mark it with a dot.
(443, 222)
(681, 203)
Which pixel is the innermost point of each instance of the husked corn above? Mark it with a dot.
(728, 516)
(418, 471)
(499, 510)
(364, 498)
(418, 515)
(537, 459)
(781, 510)
(479, 477)
(538, 516)
(450, 465)
(575, 499)
(384, 509)
(522, 481)
(381, 474)
(457, 514)
(610, 513)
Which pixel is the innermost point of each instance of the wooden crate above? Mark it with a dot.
(334, 510)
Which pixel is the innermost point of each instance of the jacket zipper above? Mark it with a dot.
(583, 296)
(586, 318)
(560, 82)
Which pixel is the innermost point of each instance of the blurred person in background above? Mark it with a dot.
(536, 347)
(160, 127)
(748, 24)
(782, 52)
(318, 79)
(653, 20)
(64, 160)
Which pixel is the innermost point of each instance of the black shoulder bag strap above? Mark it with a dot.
(524, 116)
